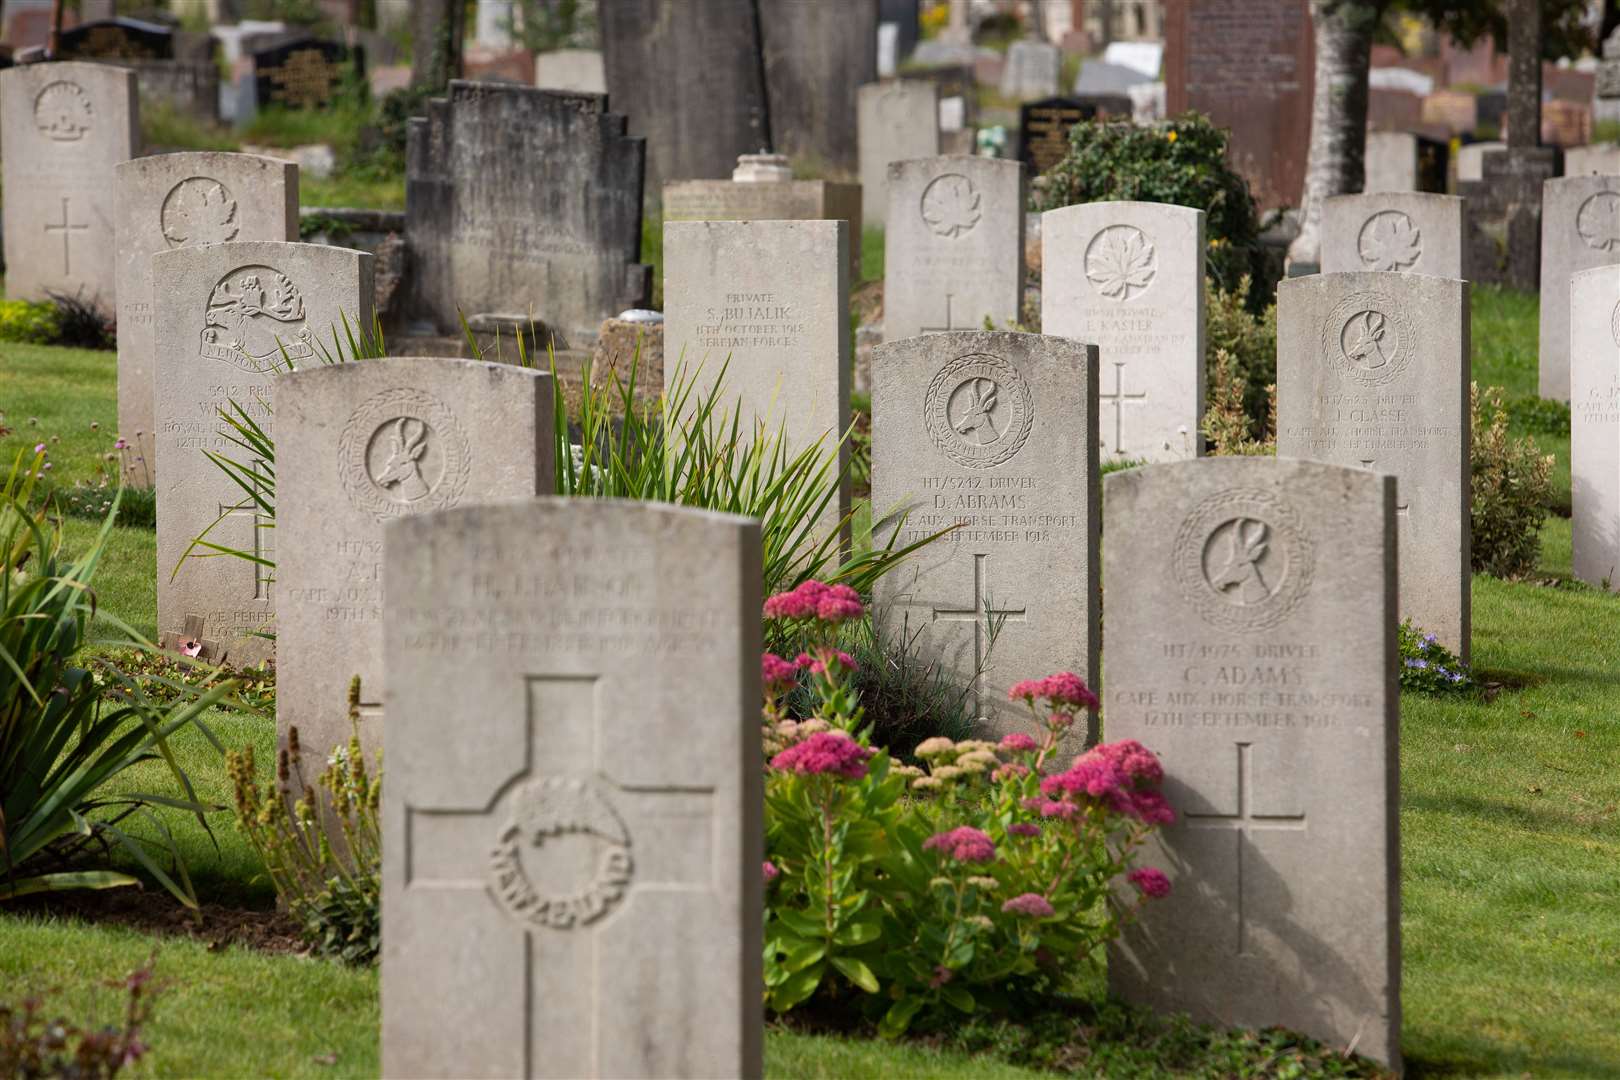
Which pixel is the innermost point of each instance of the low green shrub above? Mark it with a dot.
(166, 677)
(1428, 667)
(1181, 161)
(29, 322)
(1511, 487)
(34, 1047)
(976, 882)
(1539, 416)
(320, 843)
(1249, 337)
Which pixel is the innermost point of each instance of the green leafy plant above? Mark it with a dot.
(1428, 667)
(320, 843)
(1226, 423)
(1249, 337)
(65, 734)
(1511, 487)
(29, 322)
(167, 677)
(35, 1048)
(1181, 161)
(973, 883)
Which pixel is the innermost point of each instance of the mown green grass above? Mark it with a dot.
(1510, 832)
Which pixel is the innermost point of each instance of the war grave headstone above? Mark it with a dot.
(1404, 232)
(768, 301)
(63, 128)
(1043, 130)
(757, 191)
(359, 445)
(1372, 372)
(1252, 647)
(116, 39)
(1129, 277)
(1401, 161)
(527, 201)
(954, 246)
(304, 74)
(899, 120)
(574, 889)
(995, 433)
(1594, 436)
(1602, 159)
(1580, 229)
(229, 318)
(170, 201)
(578, 70)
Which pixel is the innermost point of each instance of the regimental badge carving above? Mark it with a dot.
(979, 410)
(1121, 262)
(1390, 242)
(950, 205)
(1243, 560)
(554, 810)
(255, 317)
(1368, 338)
(63, 111)
(1598, 221)
(403, 452)
(198, 210)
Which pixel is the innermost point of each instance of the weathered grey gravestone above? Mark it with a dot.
(574, 809)
(1404, 232)
(1471, 159)
(170, 201)
(63, 127)
(774, 199)
(995, 432)
(357, 446)
(898, 120)
(230, 317)
(769, 302)
(954, 245)
(579, 70)
(1252, 647)
(813, 66)
(1594, 435)
(1129, 277)
(1033, 70)
(1372, 371)
(526, 201)
(1580, 229)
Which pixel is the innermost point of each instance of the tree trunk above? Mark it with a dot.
(1337, 161)
(436, 33)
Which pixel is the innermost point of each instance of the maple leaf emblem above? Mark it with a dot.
(1363, 340)
(1599, 221)
(1390, 242)
(950, 206)
(199, 211)
(1120, 262)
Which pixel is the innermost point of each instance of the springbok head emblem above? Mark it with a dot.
(402, 471)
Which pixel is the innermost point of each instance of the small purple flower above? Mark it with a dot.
(39, 448)
(1031, 905)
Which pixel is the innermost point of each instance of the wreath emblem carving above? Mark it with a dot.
(545, 810)
(1368, 338)
(979, 410)
(1243, 560)
(403, 452)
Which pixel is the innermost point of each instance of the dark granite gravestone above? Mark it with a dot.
(1043, 130)
(813, 65)
(1249, 66)
(527, 202)
(116, 39)
(690, 78)
(306, 74)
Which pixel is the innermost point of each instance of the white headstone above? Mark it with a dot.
(1580, 229)
(888, 49)
(578, 70)
(1594, 436)
(1403, 232)
(1601, 159)
(896, 120)
(1471, 159)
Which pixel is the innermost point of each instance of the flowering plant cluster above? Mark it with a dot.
(1429, 667)
(986, 872)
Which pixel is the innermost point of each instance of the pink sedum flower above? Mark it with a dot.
(1017, 742)
(1133, 759)
(963, 844)
(1023, 828)
(816, 600)
(1151, 881)
(1064, 688)
(826, 752)
(779, 673)
(818, 665)
(771, 872)
(1030, 905)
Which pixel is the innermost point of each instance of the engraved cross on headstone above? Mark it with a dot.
(264, 555)
(1120, 399)
(561, 851)
(67, 229)
(986, 619)
(948, 324)
(1401, 508)
(1243, 824)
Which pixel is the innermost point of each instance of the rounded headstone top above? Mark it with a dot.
(641, 315)
(762, 168)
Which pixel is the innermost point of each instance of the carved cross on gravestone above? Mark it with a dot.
(1243, 824)
(987, 620)
(263, 551)
(948, 323)
(67, 229)
(561, 847)
(1120, 399)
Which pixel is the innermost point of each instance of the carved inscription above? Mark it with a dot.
(751, 321)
